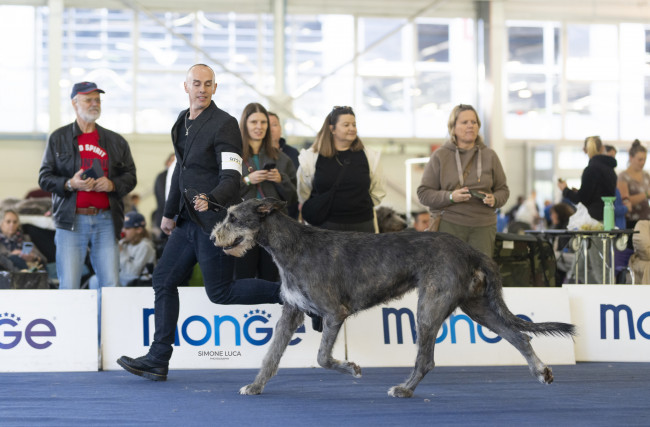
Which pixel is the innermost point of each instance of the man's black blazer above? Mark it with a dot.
(210, 163)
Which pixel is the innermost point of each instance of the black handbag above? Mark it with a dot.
(317, 208)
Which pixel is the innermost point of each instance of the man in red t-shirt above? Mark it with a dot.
(88, 169)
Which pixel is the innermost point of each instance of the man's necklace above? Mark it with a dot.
(187, 129)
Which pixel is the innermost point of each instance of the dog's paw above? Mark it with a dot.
(251, 389)
(354, 369)
(399, 391)
(546, 376)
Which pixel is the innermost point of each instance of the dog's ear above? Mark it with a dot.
(269, 204)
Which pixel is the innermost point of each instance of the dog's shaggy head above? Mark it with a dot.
(389, 221)
(237, 233)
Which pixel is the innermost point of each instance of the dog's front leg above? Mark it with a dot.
(289, 321)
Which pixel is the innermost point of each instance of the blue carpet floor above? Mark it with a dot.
(589, 394)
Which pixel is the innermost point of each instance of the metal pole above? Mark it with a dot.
(604, 259)
(612, 265)
(586, 256)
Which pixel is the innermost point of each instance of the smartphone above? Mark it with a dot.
(95, 171)
(27, 248)
(268, 166)
(477, 194)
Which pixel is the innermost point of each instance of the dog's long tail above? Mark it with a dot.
(494, 294)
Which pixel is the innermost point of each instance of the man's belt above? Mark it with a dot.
(89, 211)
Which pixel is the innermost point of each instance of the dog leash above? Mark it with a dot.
(193, 194)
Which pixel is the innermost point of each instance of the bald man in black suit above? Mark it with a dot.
(208, 146)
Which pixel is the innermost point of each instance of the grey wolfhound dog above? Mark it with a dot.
(336, 274)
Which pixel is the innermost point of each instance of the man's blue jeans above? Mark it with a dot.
(96, 232)
(186, 246)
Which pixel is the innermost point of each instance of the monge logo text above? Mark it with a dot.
(35, 333)
(255, 329)
(448, 328)
(616, 317)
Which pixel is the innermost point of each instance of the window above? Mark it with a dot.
(601, 85)
(307, 61)
(433, 42)
(381, 40)
(526, 45)
(533, 106)
(592, 73)
(400, 76)
(18, 44)
(417, 84)
(97, 46)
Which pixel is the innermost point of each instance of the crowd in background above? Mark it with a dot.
(463, 190)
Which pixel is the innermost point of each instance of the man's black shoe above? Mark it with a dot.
(143, 367)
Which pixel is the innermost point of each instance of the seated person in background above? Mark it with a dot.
(421, 220)
(12, 241)
(136, 250)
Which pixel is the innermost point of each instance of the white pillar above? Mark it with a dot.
(280, 102)
(497, 48)
(55, 48)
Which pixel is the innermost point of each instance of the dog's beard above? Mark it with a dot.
(237, 246)
(238, 250)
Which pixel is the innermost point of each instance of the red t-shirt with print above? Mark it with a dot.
(89, 149)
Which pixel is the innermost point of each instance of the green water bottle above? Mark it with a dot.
(608, 213)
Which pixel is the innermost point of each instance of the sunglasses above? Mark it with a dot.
(341, 107)
(338, 110)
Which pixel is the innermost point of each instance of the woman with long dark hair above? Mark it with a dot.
(339, 159)
(266, 172)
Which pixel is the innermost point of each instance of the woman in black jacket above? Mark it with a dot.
(598, 180)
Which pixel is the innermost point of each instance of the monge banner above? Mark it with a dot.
(386, 335)
(48, 330)
(613, 322)
(208, 336)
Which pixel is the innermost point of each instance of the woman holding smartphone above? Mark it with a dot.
(464, 183)
(266, 172)
(16, 246)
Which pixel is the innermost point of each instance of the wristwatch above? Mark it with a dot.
(247, 180)
(451, 197)
(68, 185)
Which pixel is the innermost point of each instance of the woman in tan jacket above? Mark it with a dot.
(464, 183)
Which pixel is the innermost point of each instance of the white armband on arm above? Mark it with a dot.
(231, 161)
